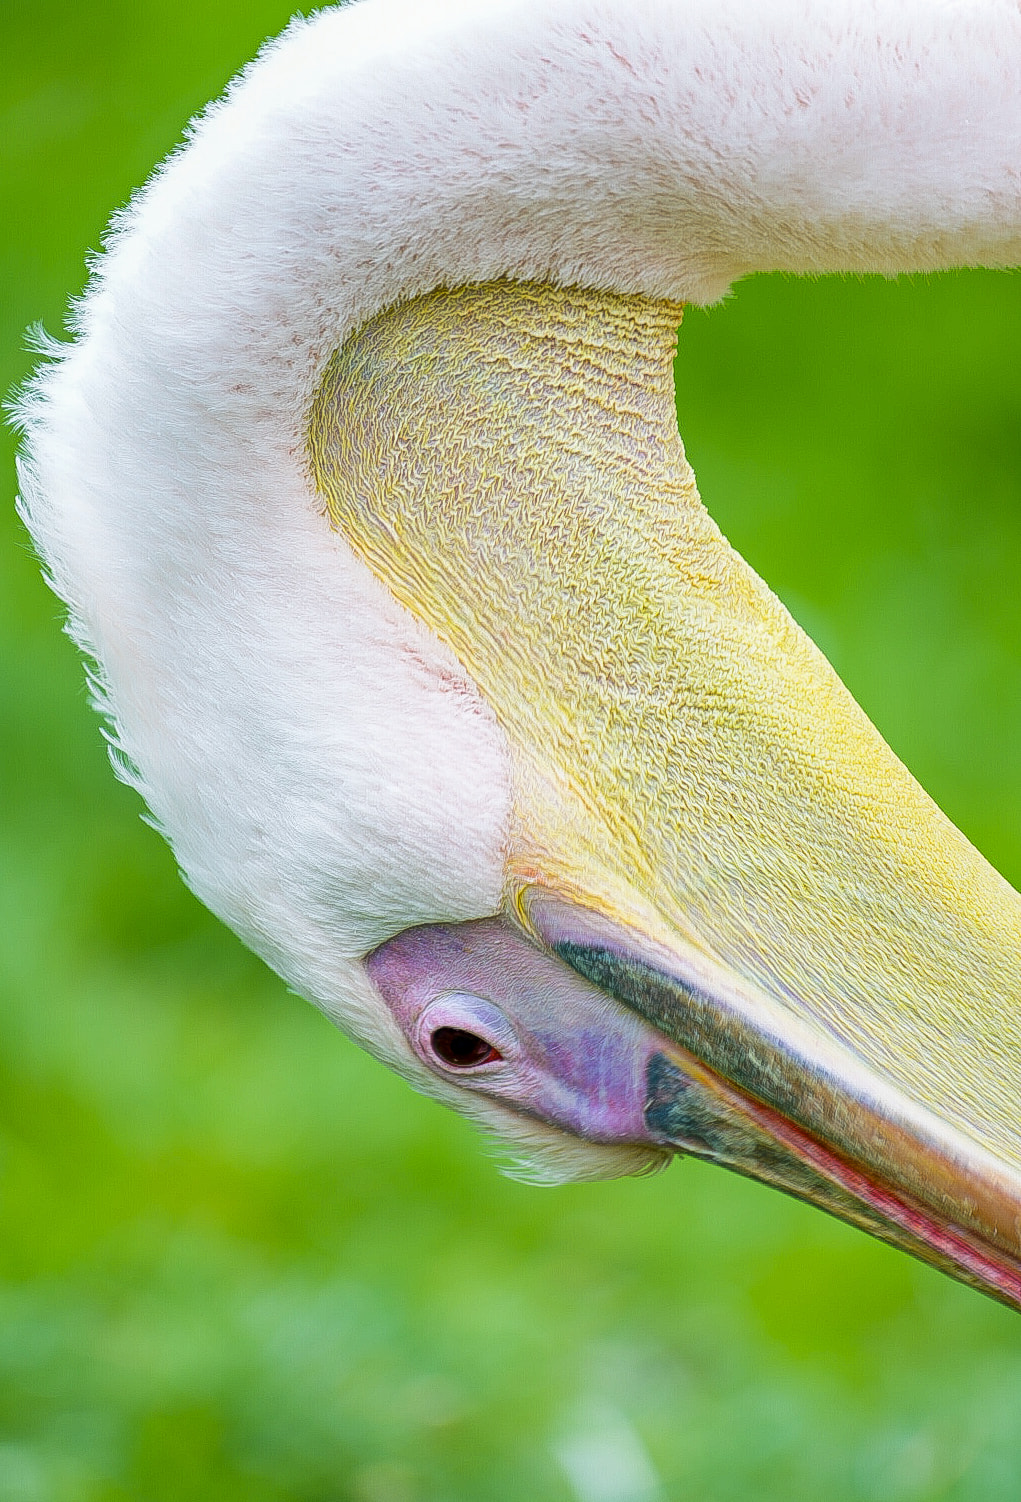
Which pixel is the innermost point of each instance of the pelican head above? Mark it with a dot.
(363, 484)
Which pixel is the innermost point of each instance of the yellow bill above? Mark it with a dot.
(705, 823)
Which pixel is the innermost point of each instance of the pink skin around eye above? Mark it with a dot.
(482, 1005)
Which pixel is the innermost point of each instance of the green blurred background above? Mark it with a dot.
(237, 1259)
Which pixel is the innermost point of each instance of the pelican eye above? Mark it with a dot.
(459, 1049)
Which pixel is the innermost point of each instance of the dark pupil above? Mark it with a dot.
(460, 1049)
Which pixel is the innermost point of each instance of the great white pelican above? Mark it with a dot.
(363, 485)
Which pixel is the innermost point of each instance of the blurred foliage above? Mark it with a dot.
(237, 1260)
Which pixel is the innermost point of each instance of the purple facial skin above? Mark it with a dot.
(483, 1006)
(488, 1010)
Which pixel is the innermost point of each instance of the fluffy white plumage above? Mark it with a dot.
(324, 769)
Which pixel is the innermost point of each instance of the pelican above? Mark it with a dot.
(363, 486)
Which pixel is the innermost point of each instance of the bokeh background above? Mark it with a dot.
(237, 1259)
